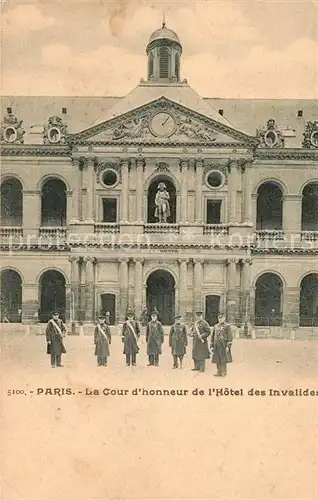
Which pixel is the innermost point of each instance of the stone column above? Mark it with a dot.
(123, 280)
(140, 167)
(30, 303)
(124, 189)
(183, 280)
(232, 302)
(76, 187)
(184, 163)
(198, 190)
(89, 289)
(198, 282)
(291, 305)
(31, 214)
(75, 287)
(247, 192)
(292, 207)
(138, 286)
(232, 187)
(90, 172)
(246, 289)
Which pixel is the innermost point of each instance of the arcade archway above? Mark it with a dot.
(11, 203)
(269, 207)
(268, 300)
(11, 296)
(309, 209)
(53, 203)
(151, 206)
(52, 295)
(309, 300)
(161, 295)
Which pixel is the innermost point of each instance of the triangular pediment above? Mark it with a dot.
(163, 121)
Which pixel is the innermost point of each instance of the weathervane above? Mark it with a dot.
(163, 19)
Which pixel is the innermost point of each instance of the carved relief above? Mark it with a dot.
(311, 135)
(55, 131)
(11, 130)
(136, 128)
(161, 166)
(270, 136)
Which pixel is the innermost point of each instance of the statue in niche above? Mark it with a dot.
(162, 211)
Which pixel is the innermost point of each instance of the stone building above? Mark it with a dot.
(81, 230)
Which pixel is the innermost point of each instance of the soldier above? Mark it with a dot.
(102, 340)
(107, 318)
(130, 335)
(221, 343)
(55, 332)
(154, 339)
(178, 341)
(144, 316)
(200, 351)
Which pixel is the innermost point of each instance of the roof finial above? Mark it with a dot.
(163, 19)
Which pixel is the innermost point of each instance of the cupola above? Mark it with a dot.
(164, 53)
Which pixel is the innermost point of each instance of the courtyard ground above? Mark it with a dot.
(208, 446)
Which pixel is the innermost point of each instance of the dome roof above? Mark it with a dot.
(164, 33)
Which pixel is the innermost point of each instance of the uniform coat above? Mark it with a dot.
(221, 338)
(154, 337)
(130, 342)
(52, 335)
(178, 339)
(200, 350)
(102, 343)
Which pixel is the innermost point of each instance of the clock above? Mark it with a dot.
(162, 124)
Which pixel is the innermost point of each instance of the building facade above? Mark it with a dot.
(156, 199)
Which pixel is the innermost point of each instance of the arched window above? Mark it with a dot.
(268, 300)
(150, 66)
(269, 207)
(53, 207)
(309, 300)
(161, 295)
(177, 66)
(11, 296)
(11, 203)
(309, 211)
(164, 62)
(52, 295)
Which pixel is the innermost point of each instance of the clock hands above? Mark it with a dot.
(165, 121)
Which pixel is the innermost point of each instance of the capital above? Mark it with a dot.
(90, 161)
(198, 260)
(183, 164)
(125, 161)
(232, 164)
(123, 260)
(88, 258)
(140, 161)
(198, 162)
(183, 260)
(231, 261)
(73, 258)
(138, 260)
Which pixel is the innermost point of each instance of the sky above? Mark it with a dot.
(233, 49)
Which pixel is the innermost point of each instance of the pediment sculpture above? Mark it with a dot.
(270, 136)
(55, 131)
(311, 135)
(11, 130)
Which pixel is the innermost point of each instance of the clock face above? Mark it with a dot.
(162, 124)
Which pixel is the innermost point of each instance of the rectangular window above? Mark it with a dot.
(109, 210)
(213, 212)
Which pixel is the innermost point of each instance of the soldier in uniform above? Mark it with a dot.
(55, 332)
(154, 339)
(221, 343)
(130, 335)
(178, 341)
(200, 351)
(102, 340)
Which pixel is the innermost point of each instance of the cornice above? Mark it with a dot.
(34, 150)
(286, 154)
